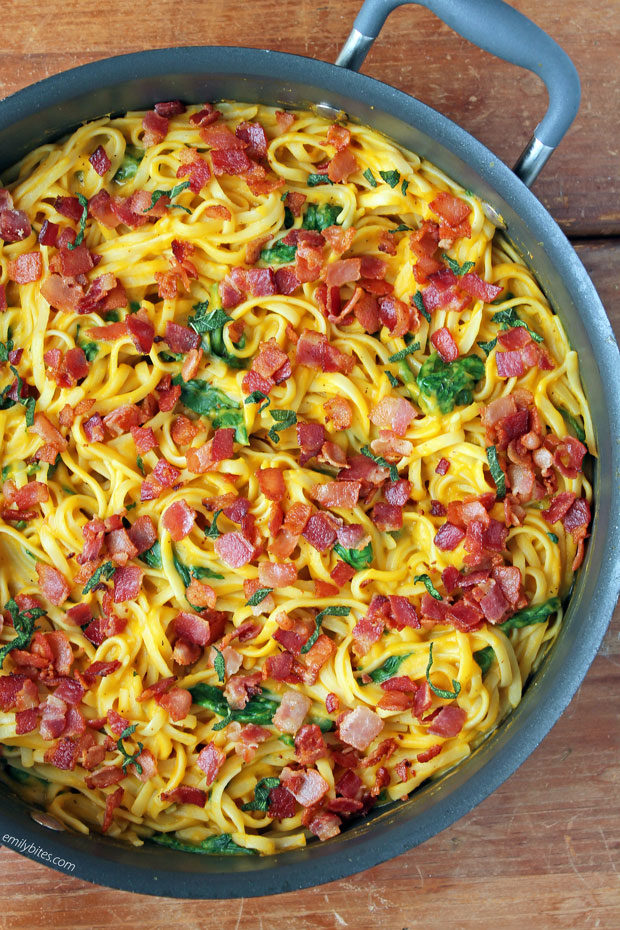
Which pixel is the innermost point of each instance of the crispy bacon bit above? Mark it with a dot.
(450, 208)
(179, 520)
(310, 745)
(443, 341)
(177, 702)
(142, 332)
(63, 754)
(99, 670)
(53, 583)
(314, 350)
(337, 494)
(332, 703)
(120, 421)
(366, 633)
(479, 289)
(14, 225)
(234, 549)
(320, 532)
(360, 727)
(127, 581)
(155, 128)
(185, 794)
(341, 166)
(100, 161)
(448, 537)
(448, 722)
(25, 268)
(403, 613)
(393, 413)
(277, 574)
(210, 760)
(306, 785)
(281, 804)
(271, 483)
(387, 517)
(291, 713)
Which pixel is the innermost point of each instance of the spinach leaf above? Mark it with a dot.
(210, 402)
(379, 460)
(404, 187)
(389, 668)
(430, 587)
(261, 795)
(497, 472)
(450, 383)
(487, 347)
(390, 177)
(455, 268)
(80, 236)
(448, 695)
(320, 216)
(129, 165)
(370, 177)
(575, 425)
(104, 572)
(152, 556)
(484, 658)
(509, 318)
(222, 844)
(259, 708)
(27, 402)
(209, 324)
(553, 537)
(359, 559)
(90, 349)
(535, 613)
(23, 622)
(337, 611)
(279, 254)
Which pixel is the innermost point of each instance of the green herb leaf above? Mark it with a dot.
(487, 347)
(402, 227)
(134, 306)
(575, 425)
(182, 569)
(379, 460)
(553, 537)
(284, 420)
(205, 320)
(27, 402)
(320, 216)
(313, 180)
(535, 613)
(201, 571)
(497, 472)
(390, 177)
(392, 379)
(220, 845)
(279, 254)
(484, 658)
(80, 236)
(128, 757)
(152, 556)
(337, 611)
(448, 695)
(419, 302)
(256, 397)
(370, 177)
(210, 402)
(261, 795)
(453, 265)
(171, 356)
(509, 318)
(129, 165)
(286, 738)
(111, 316)
(219, 664)
(259, 708)
(404, 187)
(359, 559)
(6, 471)
(212, 531)
(104, 572)
(408, 350)
(258, 597)
(430, 587)
(450, 383)
(23, 623)
(389, 668)
(172, 193)
(140, 464)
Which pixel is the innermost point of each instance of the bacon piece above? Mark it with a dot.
(100, 161)
(341, 166)
(403, 613)
(277, 574)
(338, 411)
(568, 457)
(366, 633)
(281, 804)
(271, 483)
(127, 581)
(181, 338)
(52, 583)
(393, 413)
(234, 549)
(53, 717)
(170, 108)
(450, 208)
(291, 713)
(142, 333)
(70, 691)
(337, 494)
(17, 691)
(230, 161)
(395, 314)
(185, 794)
(577, 518)
(179, 520)
(387, 517)
(448, 722)
(444, 342)
(240, 688)
(509, 364)
(63, 755)
(155, 128)
(120, 546)
(157, 688)
(210, 760)
(343, 271)
(14, 225)
(310, 745)
(314, 350)
(448, 537)
(120, 421)
(319, 532)
(310, 437)
(360, 727)
(177, 702)
(194, 629)
(494, 603)
(99, 670)
(25, 268)
(306, 785)
(479, 289)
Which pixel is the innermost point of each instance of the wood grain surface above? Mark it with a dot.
(543, 851)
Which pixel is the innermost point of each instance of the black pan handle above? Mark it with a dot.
(502, 30)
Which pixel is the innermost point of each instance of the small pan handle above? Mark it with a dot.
(502, 30)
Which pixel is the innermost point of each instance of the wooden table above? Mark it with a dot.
(544, 850)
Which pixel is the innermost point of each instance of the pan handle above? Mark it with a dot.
(502, 30)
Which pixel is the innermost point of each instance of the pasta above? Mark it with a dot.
(292, 450)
